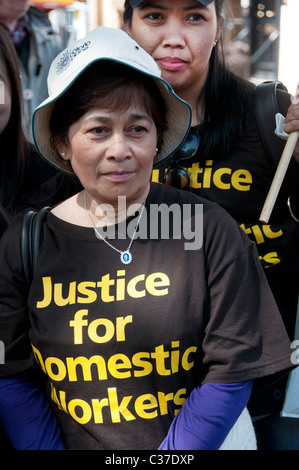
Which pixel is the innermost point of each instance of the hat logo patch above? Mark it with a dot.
(69, 56)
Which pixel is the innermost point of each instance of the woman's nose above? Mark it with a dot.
(118, 148)
(174, 34)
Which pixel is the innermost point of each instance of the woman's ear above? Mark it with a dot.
(62, 149)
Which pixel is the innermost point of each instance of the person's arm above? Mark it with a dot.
(26, 415)
(207, 416)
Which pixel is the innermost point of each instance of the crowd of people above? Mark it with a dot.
(36, 44)
(185, 342)
(27, 181)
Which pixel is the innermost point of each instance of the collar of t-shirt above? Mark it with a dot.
(20, 30)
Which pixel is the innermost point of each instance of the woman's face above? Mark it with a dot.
(112, 153)
(5, 96)
(10, 11)
(180, 36)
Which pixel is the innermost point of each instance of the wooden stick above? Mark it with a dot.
(279, 176)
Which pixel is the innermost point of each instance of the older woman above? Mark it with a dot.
(148, 309)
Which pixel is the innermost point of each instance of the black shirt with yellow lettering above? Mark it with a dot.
(240, 183)
(122, 346)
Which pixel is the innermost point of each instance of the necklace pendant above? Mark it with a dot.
(126, 257)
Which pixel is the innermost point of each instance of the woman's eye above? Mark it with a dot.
(98, 130)
(196, 17)
(154, 16)
(138, 129)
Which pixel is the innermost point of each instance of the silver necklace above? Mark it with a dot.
(125, 256)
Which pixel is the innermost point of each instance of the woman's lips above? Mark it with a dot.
(171, 63)
(119, 176)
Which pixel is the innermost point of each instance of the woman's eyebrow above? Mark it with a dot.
(98, 118)
(150, 5)
(139, 117)
(106, 119)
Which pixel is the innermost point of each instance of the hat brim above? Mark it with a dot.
(178, 122)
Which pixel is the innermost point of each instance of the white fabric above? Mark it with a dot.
(105, 43)
(280, 121)
(242, 435)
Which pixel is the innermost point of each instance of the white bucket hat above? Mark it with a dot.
(104, 43)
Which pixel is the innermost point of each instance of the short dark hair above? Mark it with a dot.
(111, 86)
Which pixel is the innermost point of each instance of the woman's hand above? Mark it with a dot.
(292, 125)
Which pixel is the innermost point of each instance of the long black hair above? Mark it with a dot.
(13, 143)
(227, 98)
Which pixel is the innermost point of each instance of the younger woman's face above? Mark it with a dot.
(5, 96)
(180, 36)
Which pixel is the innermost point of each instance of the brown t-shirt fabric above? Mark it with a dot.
(122, 346)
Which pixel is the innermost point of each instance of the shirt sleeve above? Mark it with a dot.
(207, 416)
(26, 416)
(238, 343)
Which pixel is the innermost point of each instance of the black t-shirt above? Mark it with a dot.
(34, 185)
(122, 346)
(240, 183)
